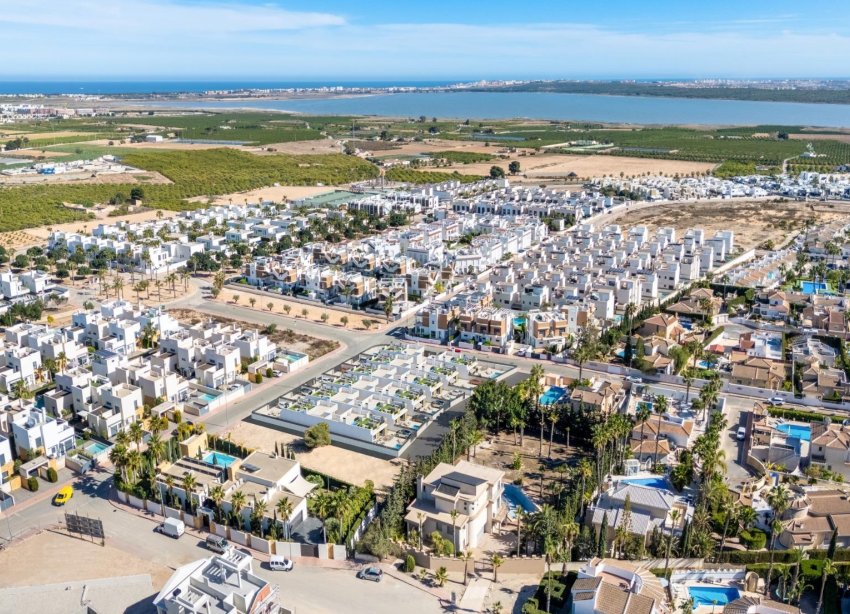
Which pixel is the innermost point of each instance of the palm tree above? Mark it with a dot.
(675, 514)
(440, 576)
(660, 407)
(466, 556)
(688, 379)
(118, 458)
(156, 447)
(237, 502)
(189, 482)
(454, 514)
(828, 570)
(217, 496)
(569, 531)
(136, 433)
(496, 561)
(475, 438)
(775, 528)
(284, 508)
(257, 514)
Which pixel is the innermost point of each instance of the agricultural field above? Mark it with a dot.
(195, 173)
(247, 128)
(409, 175)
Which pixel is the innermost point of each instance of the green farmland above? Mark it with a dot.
(193, 173)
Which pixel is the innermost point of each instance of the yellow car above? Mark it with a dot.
(64, 494)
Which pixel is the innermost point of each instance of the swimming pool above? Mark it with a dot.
(653, 482)
(713, 595)
(219, 459)
(812, 287)
(552, 395)
(803, 432)
(95, 447)
(209, 397)
(514, 497)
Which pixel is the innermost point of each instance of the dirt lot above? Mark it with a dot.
(432, 145)
(313, 346)
(272, 193)
(764, 220)
(314, 312)
(558, 166)
(44, 558)
(318, 146)
(336, 462)
(148, 177)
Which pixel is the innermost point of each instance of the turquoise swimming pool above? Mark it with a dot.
(811, 287)
(515, 498)
(803, 432)
(552, 395)
(713, 595)
(95, 447)
(219, 459)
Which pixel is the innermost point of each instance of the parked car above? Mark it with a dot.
(279, 563)
(370, 573)
(63, 496)
(742, 433)
(634, 379)
(776, 401)
(172, 527)
(216, 543)
(277, 373)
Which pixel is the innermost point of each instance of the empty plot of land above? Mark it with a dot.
(765, 220)
(298, 310)
(346, 465)
(50, 557)
(434, 145)
(317, 146)
(559, 166)
(147, 177)
(274, 194)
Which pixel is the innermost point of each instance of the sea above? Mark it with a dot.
(564, 107)
(473, 105)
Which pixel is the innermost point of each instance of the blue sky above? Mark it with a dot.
(404, 40)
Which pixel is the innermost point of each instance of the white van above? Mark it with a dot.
(172, 527)
(280, 563)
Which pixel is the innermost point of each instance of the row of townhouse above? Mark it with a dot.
(806, 184)
(588, 276)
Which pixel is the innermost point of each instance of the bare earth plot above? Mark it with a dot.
(764, 220)
(313, 312)
(48, 558)
(270, 193)
(346, 465)
(559, 166)
(147, 177)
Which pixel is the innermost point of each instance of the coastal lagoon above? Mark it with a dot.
(543, 105)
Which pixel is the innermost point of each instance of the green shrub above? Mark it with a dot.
(409, 563)
(753, 539)
(32, 483)
(269, 373)
(258, 378)
(52, 476)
